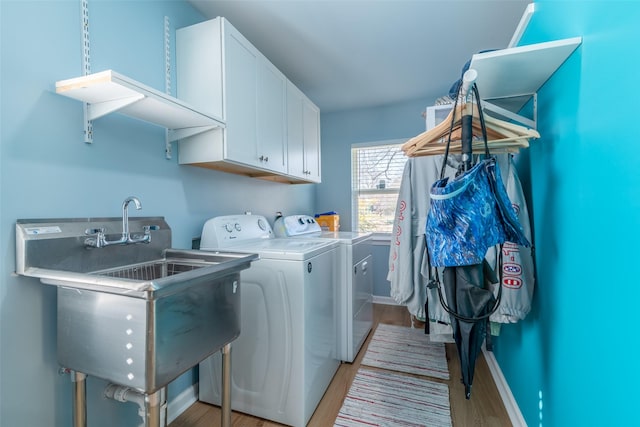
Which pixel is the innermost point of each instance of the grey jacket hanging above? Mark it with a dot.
(409, 268)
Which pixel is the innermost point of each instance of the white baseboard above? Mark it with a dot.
(181, 403)
(377, 299)
(517, 420)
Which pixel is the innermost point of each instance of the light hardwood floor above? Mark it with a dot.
(485, 408)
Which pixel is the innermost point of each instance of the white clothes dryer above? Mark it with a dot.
(286, 354)
(355, 286)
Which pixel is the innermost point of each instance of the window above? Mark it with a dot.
(376, 173)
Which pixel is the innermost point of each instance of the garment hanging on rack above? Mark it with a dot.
(516, 272)
(513, 264)
(408, 260)
(409, 267)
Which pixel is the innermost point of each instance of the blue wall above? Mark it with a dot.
(573, 361)
(575, 349)
(570, 362)
(339, 131)
(46, 170)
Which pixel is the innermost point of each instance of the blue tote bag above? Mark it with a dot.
(470, 213)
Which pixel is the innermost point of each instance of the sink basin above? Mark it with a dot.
(137, 315)
(152, 270)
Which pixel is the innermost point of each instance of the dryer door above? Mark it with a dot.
(362, 303)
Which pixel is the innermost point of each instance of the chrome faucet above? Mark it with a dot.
(101, 241)
(126, 238)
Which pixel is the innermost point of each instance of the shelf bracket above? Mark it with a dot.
(535, 110)
(99, 109)
(86, 67)
(167, 81)
(176, 134)
(514, 116)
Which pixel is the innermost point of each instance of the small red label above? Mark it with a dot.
(512, 282)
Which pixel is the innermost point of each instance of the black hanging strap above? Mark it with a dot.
(466, 121)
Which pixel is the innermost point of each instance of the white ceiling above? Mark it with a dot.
(347, 54)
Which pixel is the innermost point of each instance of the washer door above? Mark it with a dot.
(261, 356)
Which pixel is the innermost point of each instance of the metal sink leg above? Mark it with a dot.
(225, 403)
(79, 399)
(152, 409)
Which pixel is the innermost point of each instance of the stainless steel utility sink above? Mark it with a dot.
(152, 270)
(138, 315)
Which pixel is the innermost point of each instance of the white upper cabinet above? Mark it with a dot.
(220, 71)
(239, 88)
(303, 136)
(272, 117)
(295, 130)
(312, 141)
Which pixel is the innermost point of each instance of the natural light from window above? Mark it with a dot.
(376, 174)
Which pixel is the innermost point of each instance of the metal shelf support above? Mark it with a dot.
(99, 109)
(86, 67)
(167, 80)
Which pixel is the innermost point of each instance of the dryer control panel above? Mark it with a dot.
(296, 225)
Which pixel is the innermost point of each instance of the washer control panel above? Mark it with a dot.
(224, 231)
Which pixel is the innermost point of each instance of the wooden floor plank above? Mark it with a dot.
(484, 409)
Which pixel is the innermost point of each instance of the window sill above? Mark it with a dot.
(381, 239)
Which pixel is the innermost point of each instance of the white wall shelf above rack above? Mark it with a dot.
(107, 92)
(510, 77)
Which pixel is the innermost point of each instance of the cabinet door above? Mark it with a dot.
(311, 120)
(199, 66)
(295, 131)
(240, 88)
(303, 135)
(271, 117)
(254, 106)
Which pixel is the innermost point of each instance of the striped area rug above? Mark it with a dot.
(403, 349)
(379, 398)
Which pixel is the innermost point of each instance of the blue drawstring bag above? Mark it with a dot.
(470, 213)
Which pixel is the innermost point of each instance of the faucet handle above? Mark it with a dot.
(146, 237)
(95, 242)
(90, 231)
(148, 228)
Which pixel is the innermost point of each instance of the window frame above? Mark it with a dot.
(381, 237)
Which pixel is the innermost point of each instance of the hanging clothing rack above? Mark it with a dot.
(503, 136)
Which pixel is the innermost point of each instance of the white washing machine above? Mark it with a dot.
(286, 354)
(355, 288)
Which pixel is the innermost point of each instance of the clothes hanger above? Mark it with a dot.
(502, 136)
(477, 148)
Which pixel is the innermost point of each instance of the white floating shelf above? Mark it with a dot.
(107, 91)
(518, 72)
